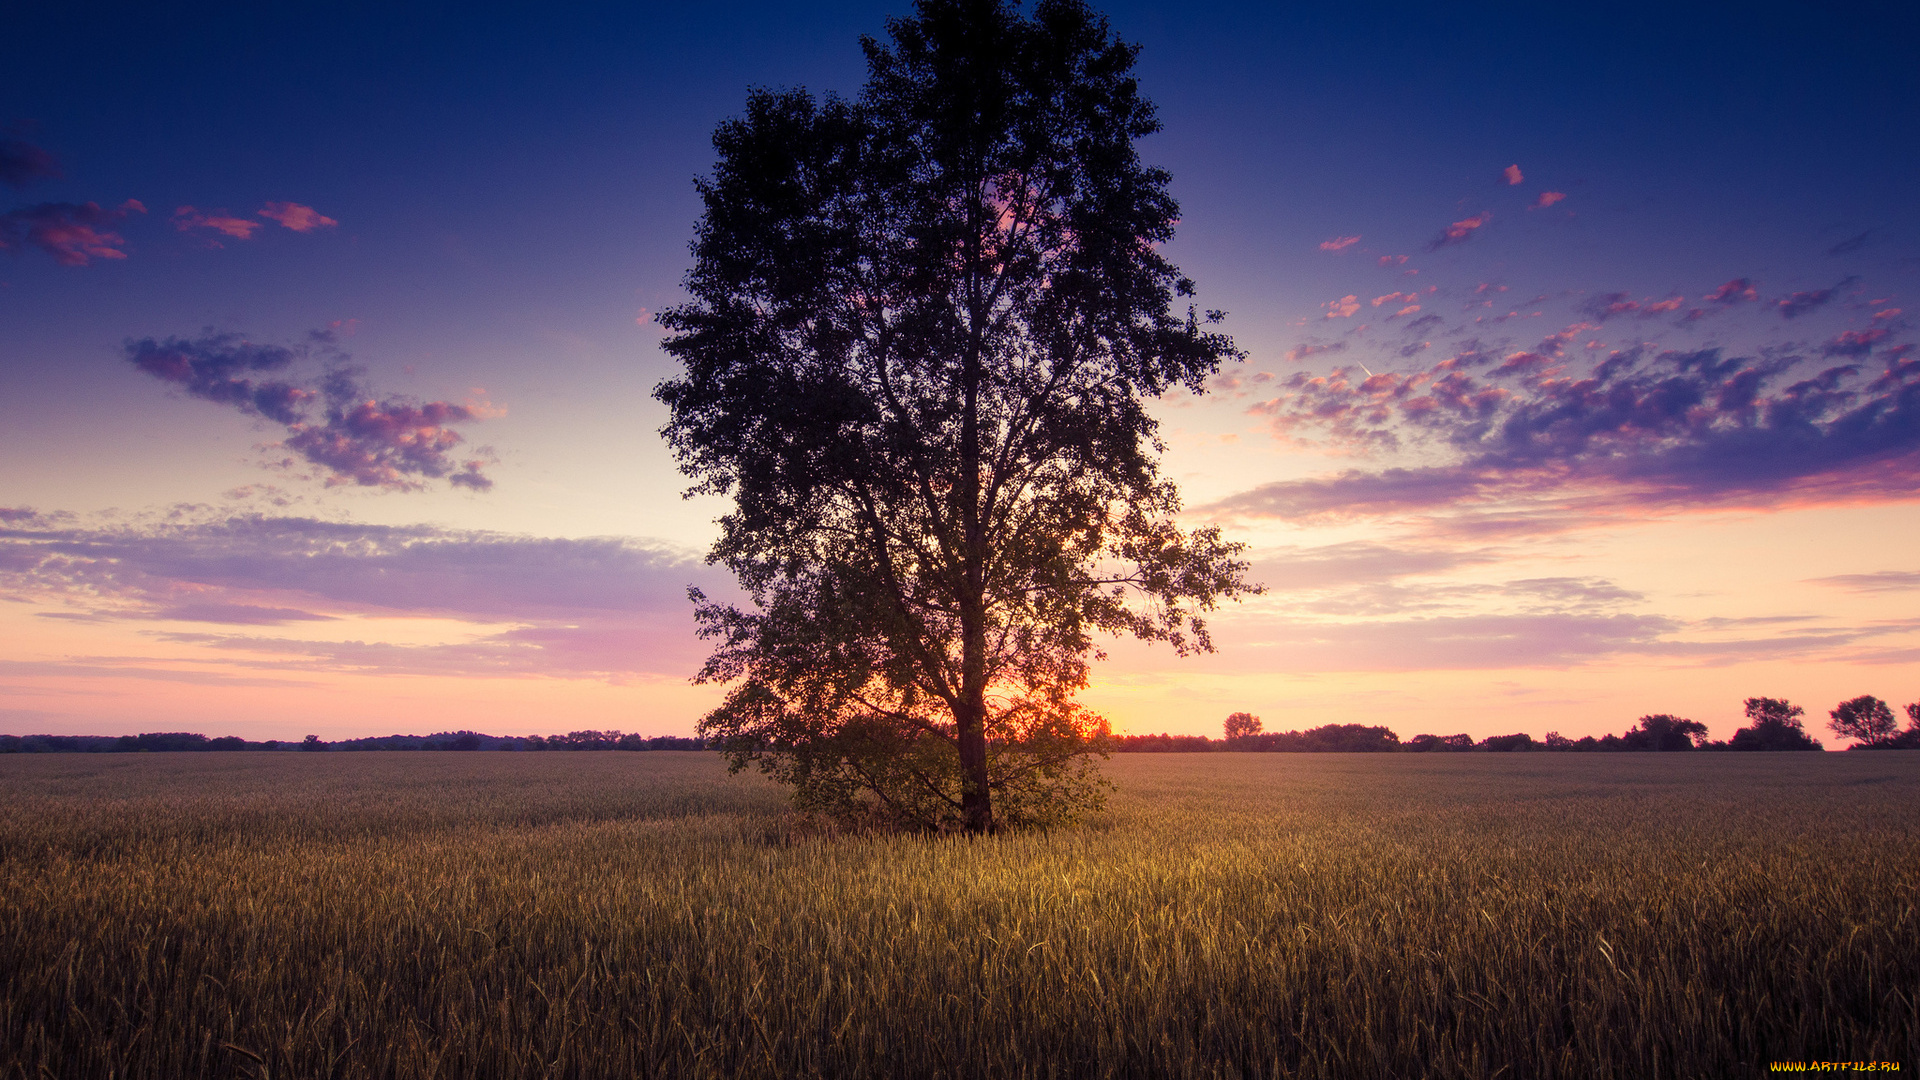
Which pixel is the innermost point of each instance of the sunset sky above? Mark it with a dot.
(1581, 380)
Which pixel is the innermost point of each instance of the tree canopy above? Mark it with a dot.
(1663, 731)
(923, 330)
(1865, 719)
(1241, 724)
(1775, 726)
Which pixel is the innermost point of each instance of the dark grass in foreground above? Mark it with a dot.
(586, 915)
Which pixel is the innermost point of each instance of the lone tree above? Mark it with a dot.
(1241, 724)
(923, 330)
(1865, 719)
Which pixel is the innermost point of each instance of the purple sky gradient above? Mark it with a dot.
(1581, 383)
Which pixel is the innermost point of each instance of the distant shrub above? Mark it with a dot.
(1350, 739)
(1421, 744)
(1507, 744)
(1165, 744)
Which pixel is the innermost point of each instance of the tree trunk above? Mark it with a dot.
(976, 798)
(970, 716)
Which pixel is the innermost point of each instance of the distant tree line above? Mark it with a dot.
(1773, 724)
(182, 741)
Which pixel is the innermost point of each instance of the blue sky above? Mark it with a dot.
(509, 196)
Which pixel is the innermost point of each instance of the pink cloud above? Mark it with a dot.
(1733, 292)
(1511, 174)
(386, 443)
(1393, 260)
(1548, 198)
(1460, 231)
(1343, 307)
(1408, 310)
(1339, 243)
(1890, 313)
(186, 219)
(73, 234)
(294, 216)
(1378, 300)
(1672, 304)
(1854, 342)
(1802, 302)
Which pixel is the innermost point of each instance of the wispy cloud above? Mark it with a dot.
(21, 163)
(1736, 291)
(1800, 303)
(1295, 569)
(73, 234)
(189, 219)
(332, 420)
(1854, 343)
(137, 667)
(1356, 623)
(220, 368)
(1547, 198)
(1608, 305)
(1880, 581)
(1638, 432)
(235, 614)
(1339, 243)
(289, 215)
(1456, 642)
(1851, 243)
(1302, 352)
(604, 607)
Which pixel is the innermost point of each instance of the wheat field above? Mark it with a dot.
(1231, 915)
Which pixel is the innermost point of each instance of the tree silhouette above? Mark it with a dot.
(1664, 732)
(923, 330)
(1775, 726)
(1865, 719)
(1241, 724)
